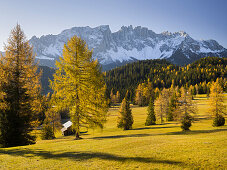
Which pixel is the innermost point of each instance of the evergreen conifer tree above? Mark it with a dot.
(151, 119)
(125, 119)
(47, 131)
(19, 91)
(54, 119)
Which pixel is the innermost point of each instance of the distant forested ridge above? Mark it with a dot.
(47, 74)
(162, 74)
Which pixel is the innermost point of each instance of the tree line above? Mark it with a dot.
(162, 74)
(175, 104)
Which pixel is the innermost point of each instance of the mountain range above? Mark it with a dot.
(127, 45)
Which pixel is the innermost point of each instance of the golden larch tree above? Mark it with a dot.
(217, 107)
(161, 105)
(185, 108)
(79, 86)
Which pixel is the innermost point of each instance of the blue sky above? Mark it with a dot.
(202, 19)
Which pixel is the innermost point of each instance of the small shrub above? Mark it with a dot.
(219, 120)
(47, 131)
(170, 117)
(186, 122)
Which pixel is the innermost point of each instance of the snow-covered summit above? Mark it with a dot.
(128, 44)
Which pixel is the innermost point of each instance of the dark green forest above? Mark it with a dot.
(47, 74)
(162, 74)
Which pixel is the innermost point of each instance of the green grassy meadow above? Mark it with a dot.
(145, 147)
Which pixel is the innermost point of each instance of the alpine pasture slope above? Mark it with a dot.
(144, 147)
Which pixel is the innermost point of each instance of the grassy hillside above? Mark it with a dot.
(159, 146)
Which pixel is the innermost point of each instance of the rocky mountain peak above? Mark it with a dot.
(182, 33)
(128, 44)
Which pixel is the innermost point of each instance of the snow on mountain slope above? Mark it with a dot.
(127, 44)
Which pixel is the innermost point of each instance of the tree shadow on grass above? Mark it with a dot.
(144, 128)
(82, 156)
(134, 135)
(194, 132)
(120, 136)
(201, 118)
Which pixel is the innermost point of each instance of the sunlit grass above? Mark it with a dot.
(144, 147)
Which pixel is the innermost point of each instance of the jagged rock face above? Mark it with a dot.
(128, 44)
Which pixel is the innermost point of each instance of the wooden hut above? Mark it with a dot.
(67, 129)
